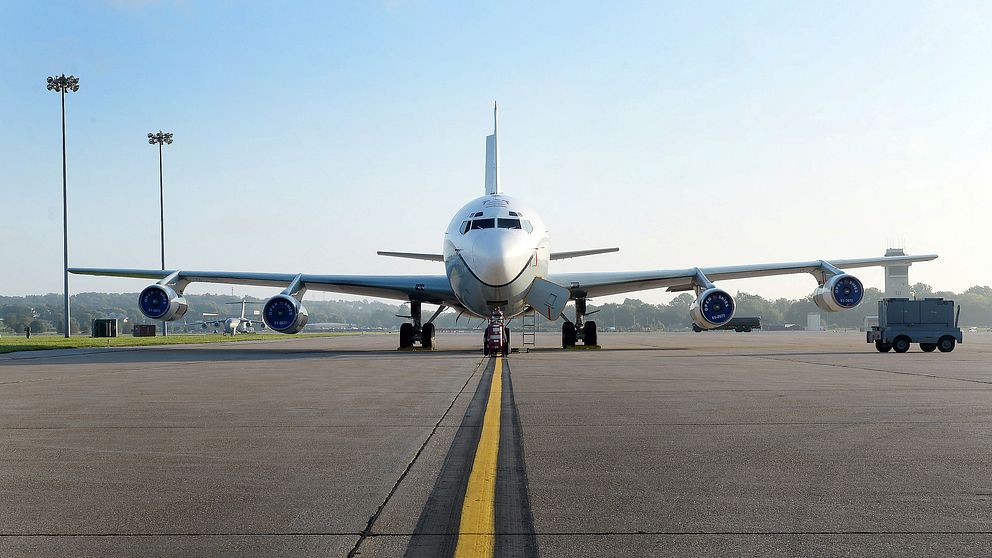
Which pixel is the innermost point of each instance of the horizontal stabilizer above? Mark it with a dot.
(413, 256)
(580, 253)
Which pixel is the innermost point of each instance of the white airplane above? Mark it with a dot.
(233, 325)
(496, 255)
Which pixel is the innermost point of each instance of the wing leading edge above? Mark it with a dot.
(433, 289)
(617, 282)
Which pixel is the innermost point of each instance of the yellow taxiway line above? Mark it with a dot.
(476, 532)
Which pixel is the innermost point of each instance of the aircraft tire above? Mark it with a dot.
(928, 347)
(427, 336)
(406, 335)
(568, 337)
(589, 335)
(883, 347)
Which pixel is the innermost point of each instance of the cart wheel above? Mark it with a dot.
(946, 344)
(928, 347)
(901, 344)
(883, 347)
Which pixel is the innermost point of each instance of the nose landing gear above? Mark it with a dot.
(579, 330)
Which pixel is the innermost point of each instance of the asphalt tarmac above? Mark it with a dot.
(712, 444)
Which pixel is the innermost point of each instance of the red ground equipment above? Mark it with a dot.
(495, 340)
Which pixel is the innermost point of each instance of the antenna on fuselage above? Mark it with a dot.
(492, 157)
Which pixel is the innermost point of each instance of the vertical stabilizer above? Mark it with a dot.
(492, 157)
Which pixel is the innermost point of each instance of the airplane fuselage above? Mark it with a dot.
(494, 248)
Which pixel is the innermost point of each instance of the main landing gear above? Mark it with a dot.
(579, 330)
(496, 339)
(417, 332)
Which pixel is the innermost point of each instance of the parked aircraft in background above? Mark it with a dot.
(234, 325)
(497, 254)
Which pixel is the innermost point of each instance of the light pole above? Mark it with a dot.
(64, 85)
(161, 138)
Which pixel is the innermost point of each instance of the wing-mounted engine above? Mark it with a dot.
(162, 302)
(838, 290)
(713, 307)
(284, 312)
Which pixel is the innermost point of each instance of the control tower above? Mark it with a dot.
(896, 277)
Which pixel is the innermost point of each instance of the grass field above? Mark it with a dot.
(47, 342)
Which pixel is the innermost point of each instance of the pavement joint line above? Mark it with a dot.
(477, 525)
(721, 424)
(757, 390)
(374, 517)
(510, 534)
(57, 352)
(848, 366)
(241, 426)
(98, 535)
(697, 533)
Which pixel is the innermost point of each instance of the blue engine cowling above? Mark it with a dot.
(162, 302)
(712, 308)
(840, 292)
(284, 314)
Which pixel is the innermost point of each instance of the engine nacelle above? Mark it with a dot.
(840, 292)
(712, 308)
(284, 314)
(162, 302)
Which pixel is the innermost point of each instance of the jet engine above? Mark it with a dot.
(840, 292)
(712, 308)
(284, 314)
(162, 302)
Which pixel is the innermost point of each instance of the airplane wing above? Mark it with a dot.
(608, 283)
(433, 289)
(214, 323)
(580, 253)
(413, 256)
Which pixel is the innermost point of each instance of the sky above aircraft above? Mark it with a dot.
(310, 135)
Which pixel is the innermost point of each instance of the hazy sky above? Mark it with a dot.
(309, 135)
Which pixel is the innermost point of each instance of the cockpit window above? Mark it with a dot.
(483, 224)
(509, 223)
(514, 214)
(528, 227)
(464, 227)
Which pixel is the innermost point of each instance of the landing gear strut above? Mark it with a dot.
(579, 330)
(418, 332)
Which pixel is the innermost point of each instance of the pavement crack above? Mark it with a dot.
(850, 367)
(367, 532)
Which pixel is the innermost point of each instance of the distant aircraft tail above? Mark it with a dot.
(243, 302)
(492, 158)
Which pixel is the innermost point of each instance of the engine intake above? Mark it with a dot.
(840, 292)
(162, 302)
(712, 308)
(284, 314)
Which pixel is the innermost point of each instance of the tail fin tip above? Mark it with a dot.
(492, 157)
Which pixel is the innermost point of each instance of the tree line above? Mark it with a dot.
(43, 313)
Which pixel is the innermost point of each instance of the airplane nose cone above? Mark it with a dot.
(498, 256)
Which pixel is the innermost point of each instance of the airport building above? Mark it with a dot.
(896, 276)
